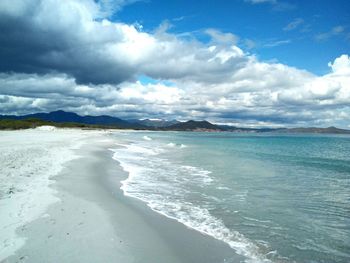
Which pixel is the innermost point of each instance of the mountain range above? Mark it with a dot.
(156, 123)
(70, 117)
(106, 121)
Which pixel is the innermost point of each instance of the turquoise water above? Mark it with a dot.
(272, 198)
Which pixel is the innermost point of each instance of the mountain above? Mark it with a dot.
(154, 123)
(194, 126)
(207, 126)
(70, 117)
(230, 128)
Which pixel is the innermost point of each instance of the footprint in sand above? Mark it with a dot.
(23, 258)
(8, 243)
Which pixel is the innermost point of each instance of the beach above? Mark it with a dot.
(79, 213)
(150, 131)
(95, 195)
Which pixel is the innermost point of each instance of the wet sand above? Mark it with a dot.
(95, 222)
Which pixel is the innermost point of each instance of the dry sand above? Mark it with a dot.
(90, 220)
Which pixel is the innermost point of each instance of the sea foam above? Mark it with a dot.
(161, 185)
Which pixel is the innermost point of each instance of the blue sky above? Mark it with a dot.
(262, 27)
(253, 63)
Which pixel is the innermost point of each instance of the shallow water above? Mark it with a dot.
(272, 198)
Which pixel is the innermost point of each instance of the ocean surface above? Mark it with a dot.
(271, 198)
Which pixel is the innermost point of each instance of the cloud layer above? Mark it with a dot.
(68, 55)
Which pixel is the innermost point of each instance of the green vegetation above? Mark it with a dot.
(10, 124)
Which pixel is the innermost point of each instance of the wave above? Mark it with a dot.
(161, 184)
(223, 188)
(146, 138)
(201, 220)
(171, 144)
(199, 173)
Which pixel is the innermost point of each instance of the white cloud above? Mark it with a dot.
(294, 24)
(341, 65)
(335, 31)
(329, 90)
(278, 43)
(223, 38)
(67, 38)
(109, 7)
(88, 64)
(150, 93)
(260, 92)
(249, 44)
(261, 1)
(276, 4)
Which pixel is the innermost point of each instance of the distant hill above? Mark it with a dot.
(230, 128)
(154, 123)
(70, 117)
(331, 130)
(194, 126)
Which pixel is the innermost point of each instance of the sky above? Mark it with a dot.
(254, 63)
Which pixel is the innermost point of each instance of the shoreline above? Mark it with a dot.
(95, 222)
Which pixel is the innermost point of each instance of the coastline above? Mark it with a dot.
(95, 222)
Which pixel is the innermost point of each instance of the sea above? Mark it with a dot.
(270, 197)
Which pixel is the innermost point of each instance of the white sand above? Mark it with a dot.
(28, 160)
(79, 213)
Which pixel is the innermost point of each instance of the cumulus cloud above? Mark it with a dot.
(341, 65)
(331, 90)
(69, 55)
(71, 37)
(258, 93)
